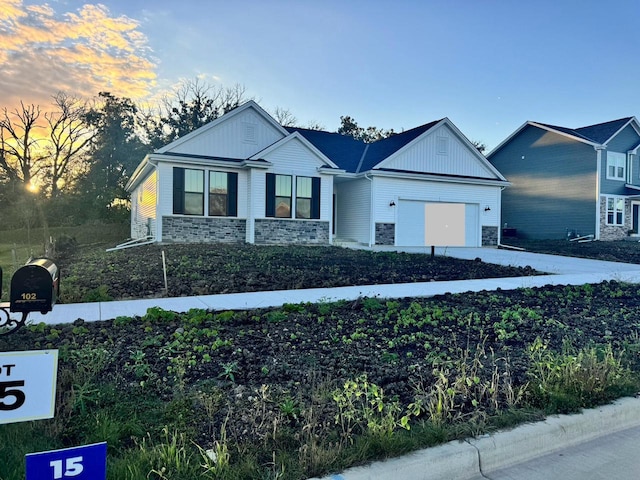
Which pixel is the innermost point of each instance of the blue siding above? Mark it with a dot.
(608, 186)
(553, 184)
(622, 143)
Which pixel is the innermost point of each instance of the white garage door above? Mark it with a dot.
(416, 222)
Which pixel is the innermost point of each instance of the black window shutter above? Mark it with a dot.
(270, 205)
(178, 190)
(315, 197)
(232, 194)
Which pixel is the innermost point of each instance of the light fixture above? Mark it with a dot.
(487, 208)
(392, 203)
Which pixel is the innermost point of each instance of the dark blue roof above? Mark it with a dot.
(356, 156)
(602, 132)
(598, 133)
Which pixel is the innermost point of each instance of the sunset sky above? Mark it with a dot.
(488, 65)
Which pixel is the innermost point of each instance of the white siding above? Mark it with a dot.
(143, 207)
(165, 188)
(393, 189)
(239, 137)
(294, 158)
(441, 151)
(353, 209)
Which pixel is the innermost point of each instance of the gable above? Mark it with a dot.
(441, 151)
(624, 140)
(293, 155)
(234, 135)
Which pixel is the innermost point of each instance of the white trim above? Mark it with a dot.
(289, 138)
(632, 121)
(445, 121)
(598, 181)
(437, 178)
(543, 127)
(236, 111)
(615, 198)
(617, 156)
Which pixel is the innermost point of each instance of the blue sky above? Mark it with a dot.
(488, 65)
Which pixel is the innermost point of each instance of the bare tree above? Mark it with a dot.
(284, 117)
(193, 105)
(21, 157)
(69, 138)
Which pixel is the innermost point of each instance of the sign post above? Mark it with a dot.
(27, 385)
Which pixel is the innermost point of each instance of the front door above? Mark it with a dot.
(635, 211)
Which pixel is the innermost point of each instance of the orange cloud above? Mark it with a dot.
(83, 52)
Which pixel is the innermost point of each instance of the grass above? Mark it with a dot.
(305, 390)
(17, 246)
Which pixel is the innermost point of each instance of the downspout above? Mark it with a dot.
(598, 150)
(371, 220)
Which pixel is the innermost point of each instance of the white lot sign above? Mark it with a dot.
(27, 385)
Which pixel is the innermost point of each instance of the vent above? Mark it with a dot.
(442, 145)
(249, 130)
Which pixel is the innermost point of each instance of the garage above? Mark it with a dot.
(424, 223)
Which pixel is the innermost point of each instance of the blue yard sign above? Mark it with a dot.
(79, 463)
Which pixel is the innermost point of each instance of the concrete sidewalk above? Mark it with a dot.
(598, 443)
(568, 271)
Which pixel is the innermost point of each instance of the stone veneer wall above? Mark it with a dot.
(282, 231)
(614, 232)
(489, 236)
(385, 233)
(204, 229)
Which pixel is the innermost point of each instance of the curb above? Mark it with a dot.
(473, 458)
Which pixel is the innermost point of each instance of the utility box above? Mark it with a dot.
(35, 287)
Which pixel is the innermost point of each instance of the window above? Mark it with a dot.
(308, 197)
(615, 211)
(616, 166)
(188, 191)
(303, 197)
(223, 194)
(279, 198)
(278, 201)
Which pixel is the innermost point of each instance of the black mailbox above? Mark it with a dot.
(35, 287)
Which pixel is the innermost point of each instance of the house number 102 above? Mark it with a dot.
(72, 467)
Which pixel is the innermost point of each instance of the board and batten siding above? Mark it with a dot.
(553, 184)
(295, 159)
(353, 199)
(143, 208)
(441, 152)
(238, 137)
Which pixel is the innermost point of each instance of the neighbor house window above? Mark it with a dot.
(308, 197)
(188, 191)
(223, 194)
(615, 211)
(278, 200)
(616, 166)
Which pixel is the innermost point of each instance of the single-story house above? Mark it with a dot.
(245, 178)
(571, 181)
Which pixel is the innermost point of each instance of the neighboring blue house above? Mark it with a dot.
(583, 181)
